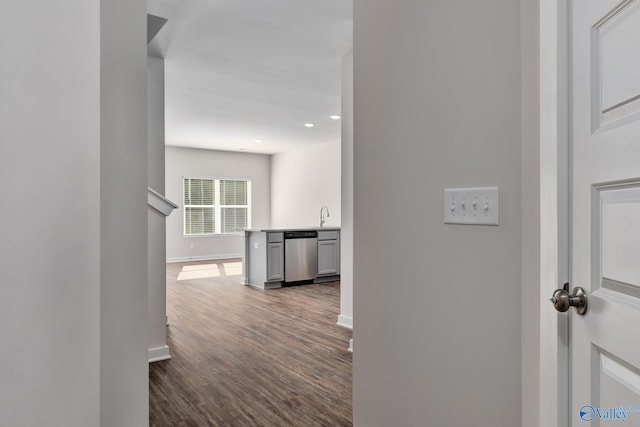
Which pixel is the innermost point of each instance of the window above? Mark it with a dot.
(216, 206)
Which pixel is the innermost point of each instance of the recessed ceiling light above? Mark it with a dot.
(241, 149)
(335, 117)
(259, 141)
(309, 125)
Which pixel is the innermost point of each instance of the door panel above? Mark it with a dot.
(616, 37)
(605, 219)
(620, 236)
(617, 386)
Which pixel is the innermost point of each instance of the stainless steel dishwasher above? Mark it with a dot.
(300, 255)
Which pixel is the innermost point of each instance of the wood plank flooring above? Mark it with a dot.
(242, 356)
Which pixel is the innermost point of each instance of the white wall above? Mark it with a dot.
(188, 162)
(346, 231)
(302, 181)
(436, 307)
(73, 327)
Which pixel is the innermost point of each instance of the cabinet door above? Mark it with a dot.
(275, 262)
(328, 257)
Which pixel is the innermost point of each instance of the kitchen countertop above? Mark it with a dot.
(279, 230)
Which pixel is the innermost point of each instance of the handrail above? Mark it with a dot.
(159, 202)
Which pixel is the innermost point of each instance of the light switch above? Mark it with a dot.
(478, 205)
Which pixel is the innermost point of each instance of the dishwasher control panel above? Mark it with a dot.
(300, 234)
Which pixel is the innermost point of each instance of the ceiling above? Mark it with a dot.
(237, 71)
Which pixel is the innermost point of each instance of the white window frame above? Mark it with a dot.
(217, 207)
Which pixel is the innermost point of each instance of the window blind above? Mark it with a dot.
(216, 206)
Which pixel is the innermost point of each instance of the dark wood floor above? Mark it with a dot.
(246, 357)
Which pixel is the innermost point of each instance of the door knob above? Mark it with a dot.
(562, 300)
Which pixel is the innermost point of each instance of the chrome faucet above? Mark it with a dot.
(322, 216)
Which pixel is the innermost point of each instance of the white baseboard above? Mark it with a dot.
(203, 258)
(350, 345)
(159, 353)
(345, 322)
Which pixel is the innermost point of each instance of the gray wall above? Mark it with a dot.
(73, 155)
(155, 125)
(124, 382)
(530, 299)
(190, 162)
(436, 307)
(346, 232)
(50, 216)
(156, 226)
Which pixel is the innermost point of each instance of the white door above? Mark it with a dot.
(605, 240)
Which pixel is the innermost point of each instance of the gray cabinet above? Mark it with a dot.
(275, 262)
(275, 257)
(328, 253)
(263, 263)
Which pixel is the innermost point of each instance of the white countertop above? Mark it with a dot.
(280, 230)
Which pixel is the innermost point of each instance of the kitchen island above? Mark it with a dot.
(276, 257)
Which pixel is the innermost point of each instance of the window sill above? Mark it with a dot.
(198, 236)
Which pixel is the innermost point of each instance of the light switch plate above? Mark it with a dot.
(478, 206)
